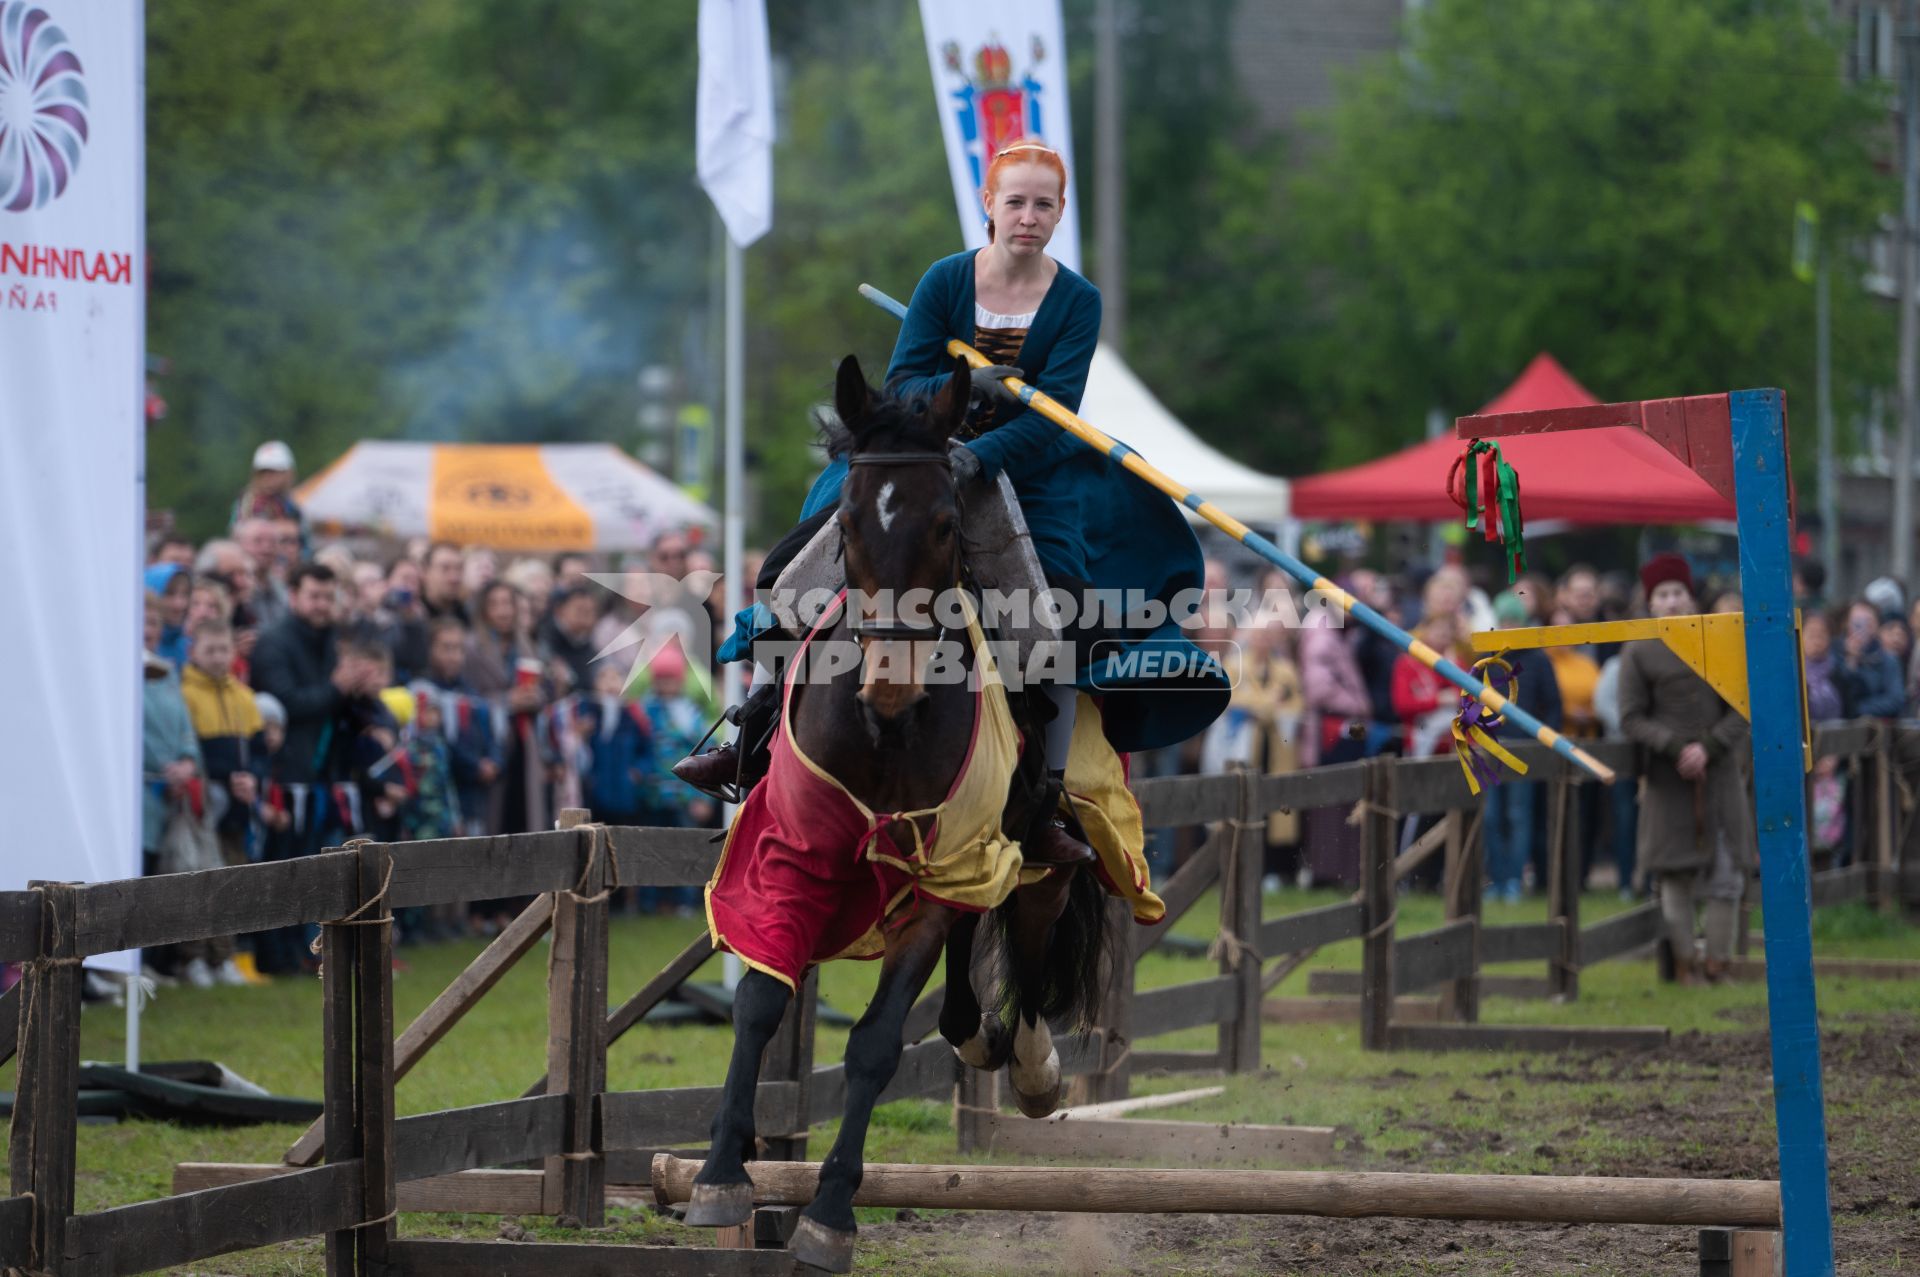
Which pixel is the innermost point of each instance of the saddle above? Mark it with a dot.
(999, 556)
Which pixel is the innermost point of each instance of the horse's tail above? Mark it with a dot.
(1069, 983)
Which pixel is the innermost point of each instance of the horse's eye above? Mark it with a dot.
(943, 530)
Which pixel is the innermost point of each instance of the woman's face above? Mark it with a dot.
(1024, 207)
(501, 611)
(1815, 639)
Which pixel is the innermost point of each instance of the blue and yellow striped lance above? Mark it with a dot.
(1053, 411)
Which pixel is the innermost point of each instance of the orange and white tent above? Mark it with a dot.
(556, 496)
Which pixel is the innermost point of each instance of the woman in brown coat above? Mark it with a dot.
(1696, 823)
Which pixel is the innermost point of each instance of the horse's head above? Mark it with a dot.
(900, 525)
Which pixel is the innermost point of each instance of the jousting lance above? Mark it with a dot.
(1054, 411)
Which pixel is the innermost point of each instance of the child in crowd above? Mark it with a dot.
(368, 802)
(463, 721)
(616, 752)
(275, 806)
(227, 722)
(678, 721)
(617, 757)
(173, 837)
(173, 585)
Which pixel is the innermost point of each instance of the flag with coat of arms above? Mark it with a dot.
(1000, 74)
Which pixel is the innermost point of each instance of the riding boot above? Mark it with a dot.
(728, 772)
(1050, 843)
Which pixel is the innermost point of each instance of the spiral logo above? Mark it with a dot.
(43, 108)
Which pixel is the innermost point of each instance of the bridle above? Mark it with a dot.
(899, 630)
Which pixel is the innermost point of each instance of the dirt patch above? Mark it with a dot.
(1706, 1114)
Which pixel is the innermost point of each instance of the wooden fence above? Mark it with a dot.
(347, 1178)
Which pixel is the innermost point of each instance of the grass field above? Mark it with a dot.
(1461, 1112)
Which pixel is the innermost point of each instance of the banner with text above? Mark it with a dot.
(1000, 74)
(72, 442)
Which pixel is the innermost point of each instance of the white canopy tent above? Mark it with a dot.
(1120, 404)
(534, 497)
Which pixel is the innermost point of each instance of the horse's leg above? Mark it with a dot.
(825, 1235)
(722, 1193)
(1035, 1066)
(981, 1041)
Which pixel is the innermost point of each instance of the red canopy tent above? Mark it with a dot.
(1612, 475)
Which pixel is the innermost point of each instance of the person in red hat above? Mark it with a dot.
(1696, 825)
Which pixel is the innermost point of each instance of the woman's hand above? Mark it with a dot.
(990, 384)
(966, 466)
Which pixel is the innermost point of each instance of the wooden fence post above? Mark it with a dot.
(41, 1143)
(374, 1025)
(340, 1061)
(1240, 927)
(1886, 790)
(1466, 851)
(1563, 883)
(1379, 829)
(575, 1184)
(789, 1058)
(1114, 1016)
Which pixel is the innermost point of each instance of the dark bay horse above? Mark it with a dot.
(896, 741)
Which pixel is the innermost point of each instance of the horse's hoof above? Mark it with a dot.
(1036, 1089)
(827, 1249)
(1040, 1105)
(989, 1048)
(720, 1205)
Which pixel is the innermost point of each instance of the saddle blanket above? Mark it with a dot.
(810, 873)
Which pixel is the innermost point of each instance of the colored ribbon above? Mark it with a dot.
(1474, 729)
(1488, 476)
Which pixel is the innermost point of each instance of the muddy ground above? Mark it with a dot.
(1702, 1095)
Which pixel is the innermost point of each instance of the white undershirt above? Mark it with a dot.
(984, 318)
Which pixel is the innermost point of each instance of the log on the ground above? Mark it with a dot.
(1338, 1194)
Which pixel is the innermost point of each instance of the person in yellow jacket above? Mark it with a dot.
(233, 755)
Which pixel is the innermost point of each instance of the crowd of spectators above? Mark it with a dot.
(300, 693)
(1327, 692)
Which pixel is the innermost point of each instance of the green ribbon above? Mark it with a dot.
(1506, 499)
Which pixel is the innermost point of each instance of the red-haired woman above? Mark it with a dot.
(1093, 524)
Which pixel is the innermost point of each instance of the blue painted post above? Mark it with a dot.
(1773, 676)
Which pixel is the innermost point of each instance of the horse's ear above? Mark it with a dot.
(850, 393)
(950, 405)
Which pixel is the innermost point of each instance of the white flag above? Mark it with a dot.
(733, 116)
(1000, 73)
(72, 436)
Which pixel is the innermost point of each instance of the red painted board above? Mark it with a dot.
(1710, 440)
(1548, 421)
(1666, 424)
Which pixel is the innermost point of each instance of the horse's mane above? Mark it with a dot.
(891, 424)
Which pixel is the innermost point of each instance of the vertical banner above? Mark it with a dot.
(72, 436)
(1000, 74)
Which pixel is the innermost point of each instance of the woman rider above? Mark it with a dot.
(1092, 524)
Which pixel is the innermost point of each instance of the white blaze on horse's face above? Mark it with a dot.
(883, 506)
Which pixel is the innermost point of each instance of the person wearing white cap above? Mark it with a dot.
(269, 493)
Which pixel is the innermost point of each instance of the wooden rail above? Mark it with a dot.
(1582, 1199)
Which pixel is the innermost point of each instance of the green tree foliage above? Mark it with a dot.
(1209, 294)
(291, 232)
(1609, 180)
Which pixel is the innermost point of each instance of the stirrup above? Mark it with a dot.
(742, 716)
